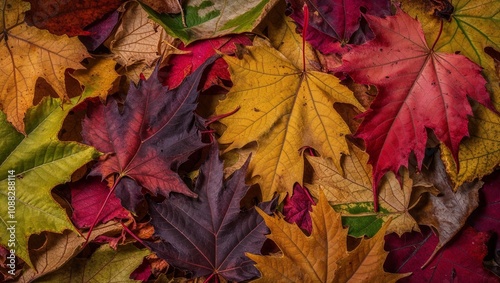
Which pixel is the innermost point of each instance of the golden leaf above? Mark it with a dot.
(284, 109)
(322, 256)
(28, 53)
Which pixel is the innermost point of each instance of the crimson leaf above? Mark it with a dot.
(145, 143)
(298, 207)
(211, 234)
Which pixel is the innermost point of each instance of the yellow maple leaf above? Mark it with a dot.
(472, 27)
(284, 109)
(28, 53)
(322, 256)
(351, 194)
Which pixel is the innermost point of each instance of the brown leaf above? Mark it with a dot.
(322, 256)
(28, 53)
(447, 211)
(139, 42)
(57, 249)
(165, 6)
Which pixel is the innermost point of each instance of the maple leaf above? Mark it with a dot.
(100, 31)
(470, 29)
(138, 42)
(418, 89)
(460, 261)
(68, 17)
(182, 65)
(322, 256)
(223, 231)
(206, 19)
(86, 200)
(284, 109)
(105, 265)
(155, 132)
(333, 23)
(38, 162)
(26, 54)
(296, 208)
(351, 193)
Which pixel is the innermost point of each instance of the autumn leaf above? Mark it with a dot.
(27, 54)
(138, 42)
(206, 19)
(68, 17)
(181, 65)
(447, 211)
(461, 261)
(471, 29)
(322, 256)
(297, 207)
(38, 162)
(223, 231)
(418, 89)
(105, 265)
(351, 193)
(86, 201)
(55, 250)
(332, 24)
(284, 109)
(155, 132)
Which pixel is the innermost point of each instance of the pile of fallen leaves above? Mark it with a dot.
(215, 141)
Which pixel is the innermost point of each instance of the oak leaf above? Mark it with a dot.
(39, 162)
(351, 193)
(27, 54)
(206, 19)
(224, 232)
(68, 17)
(322, 256)
(149, 138)
(471, 29)
(284, 109)
(419, 89)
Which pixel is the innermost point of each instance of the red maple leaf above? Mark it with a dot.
(332, 24)
(149, 138)
(210, 235)
(182, 65)
(418, 89)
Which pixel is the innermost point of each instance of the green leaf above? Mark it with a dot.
(105, 265)
(207, 19)
(39, 162)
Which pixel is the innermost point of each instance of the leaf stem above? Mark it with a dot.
(439, 35)
(304, 33)
(100, 211)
